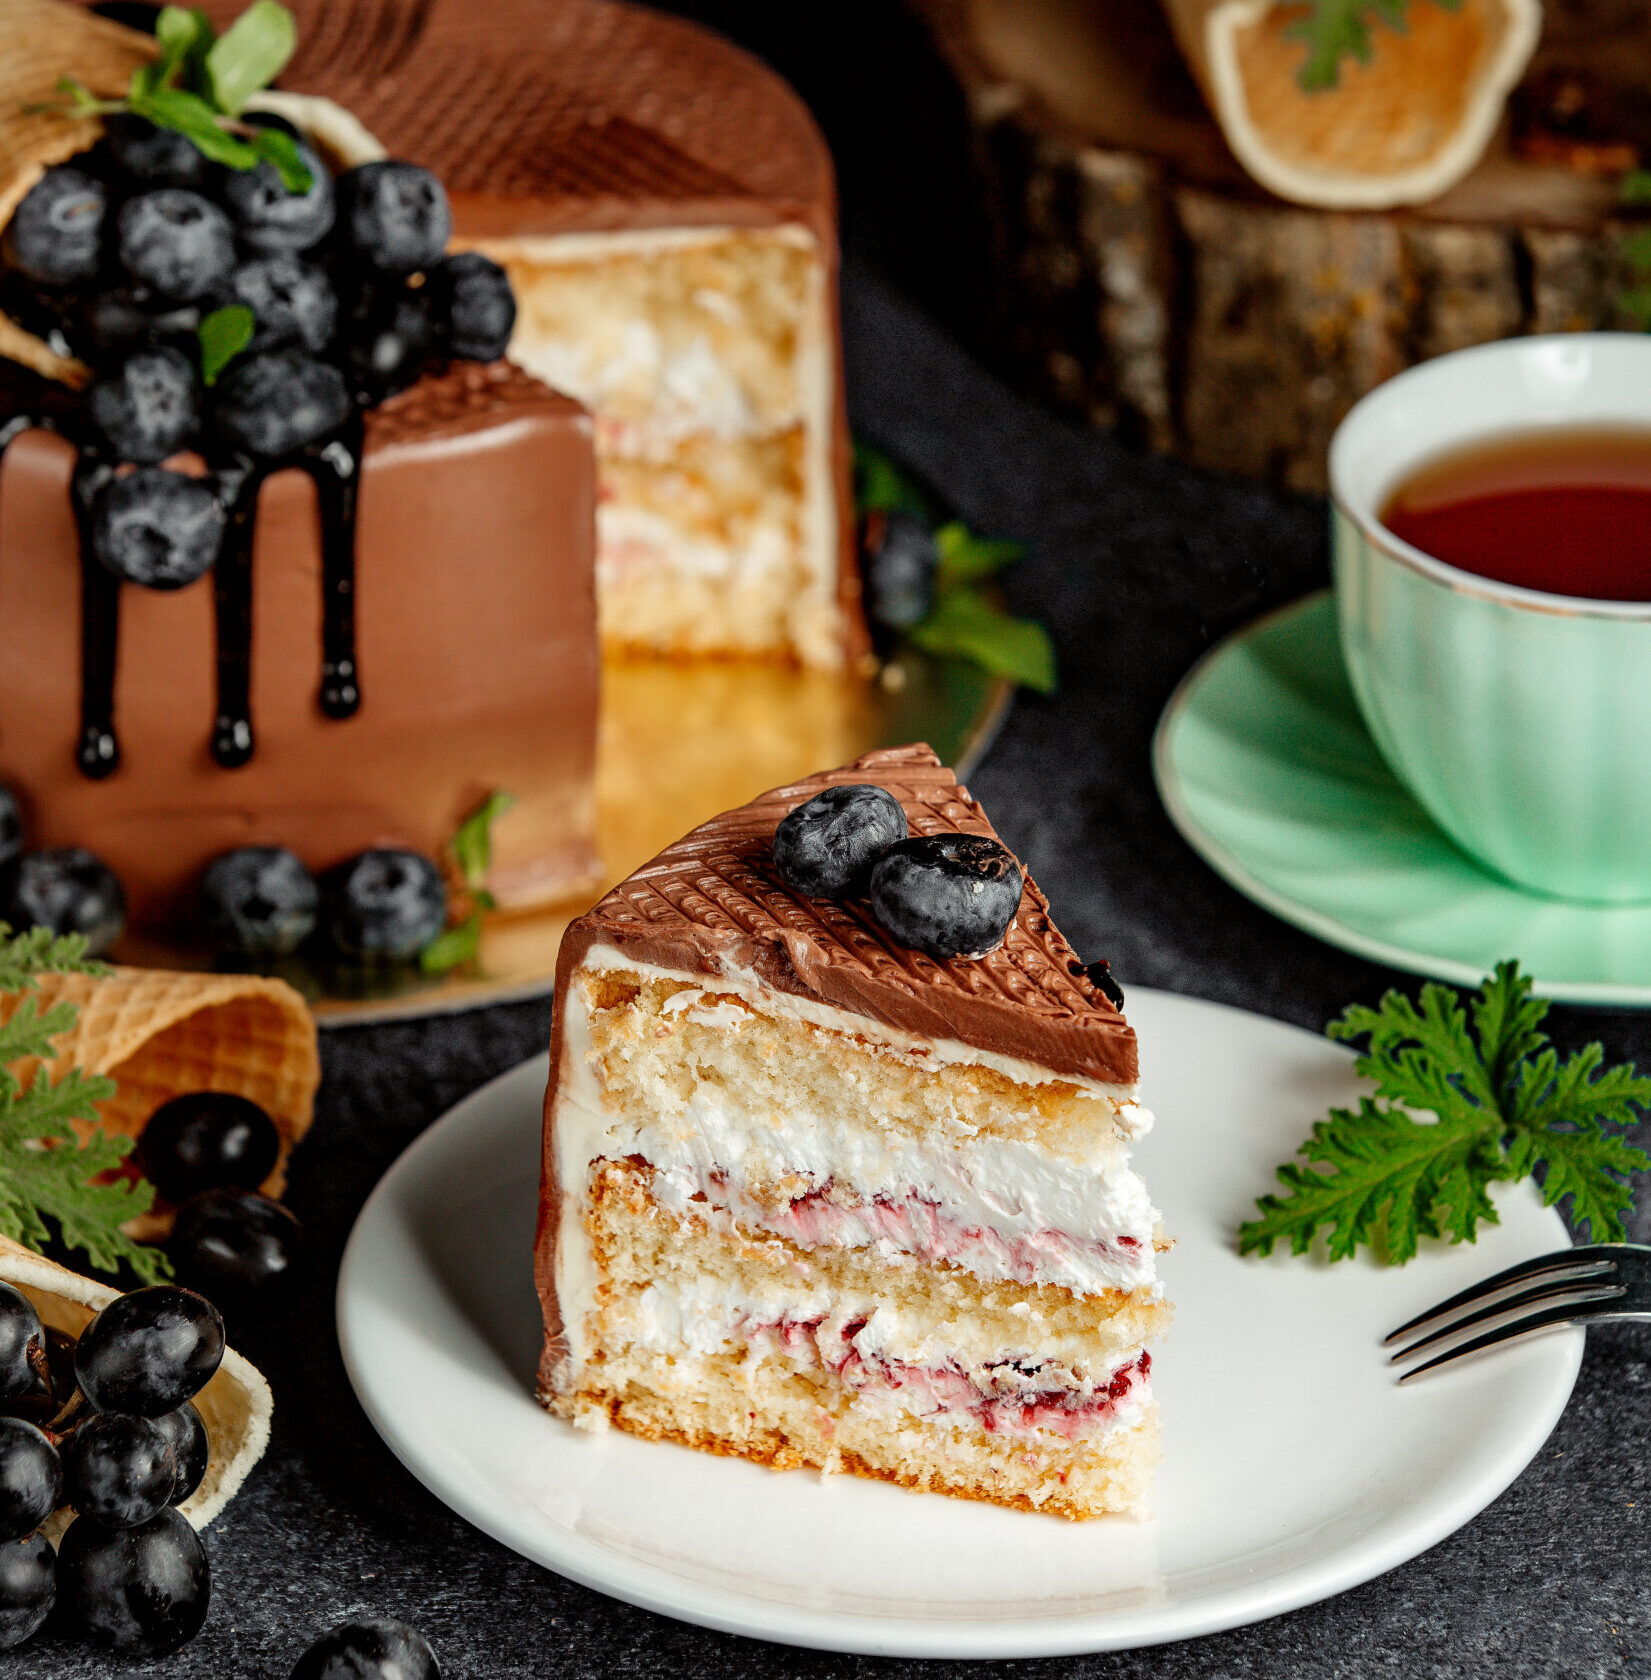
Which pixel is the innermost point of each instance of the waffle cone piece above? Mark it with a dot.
(159, 1034)
(42, 41)
(1398, 130)
(235, 1406)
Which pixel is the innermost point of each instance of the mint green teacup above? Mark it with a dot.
(1521, 721)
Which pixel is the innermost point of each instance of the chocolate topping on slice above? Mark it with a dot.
(714, 904)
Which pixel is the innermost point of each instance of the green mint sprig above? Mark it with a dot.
(1504, 1105)
(1338, 29)
(47, 1172)
(1634, 252)
(199, 84)
(965, 621)
(471, 850)
(222, 336)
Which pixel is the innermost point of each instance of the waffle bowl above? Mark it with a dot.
(235, 1405)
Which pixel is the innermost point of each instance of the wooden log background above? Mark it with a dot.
(1141, 281)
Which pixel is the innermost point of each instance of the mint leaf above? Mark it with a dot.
(1504, 1107)
(966, 558)
(190, 115)
(271, 146)
(185, 37)
(457, 945)
(882, 487)
(472, 845)
(1635, 187)
(1338, 29)
(223, 335)
(249, 55)
(965, 622)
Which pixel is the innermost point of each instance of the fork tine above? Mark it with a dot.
(1549, 1289)
(1570, 1312)
(1590, 1260)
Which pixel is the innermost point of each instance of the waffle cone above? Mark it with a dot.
(42, 41)
(235, 1406)
(159, 1034)
(1398, 130)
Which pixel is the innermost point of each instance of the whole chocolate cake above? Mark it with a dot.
(290, 557)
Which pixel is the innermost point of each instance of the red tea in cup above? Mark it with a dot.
(1566, 510)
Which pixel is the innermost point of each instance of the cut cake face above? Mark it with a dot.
(813, 1198)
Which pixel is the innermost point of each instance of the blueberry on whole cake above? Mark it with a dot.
(836, 1158)
(289, 554)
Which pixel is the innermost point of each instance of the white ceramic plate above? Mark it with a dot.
(1294, 1468)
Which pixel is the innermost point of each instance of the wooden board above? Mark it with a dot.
(1144, 282)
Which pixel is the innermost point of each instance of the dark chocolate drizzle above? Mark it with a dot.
(336, 469)
(98, 750)
(334, 464)
(28, 402)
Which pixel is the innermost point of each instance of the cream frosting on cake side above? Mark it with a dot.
(779, 1226)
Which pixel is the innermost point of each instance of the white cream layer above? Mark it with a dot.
(919, 1367)
(1015, 1189)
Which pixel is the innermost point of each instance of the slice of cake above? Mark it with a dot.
(666, 210)
(813, 1197)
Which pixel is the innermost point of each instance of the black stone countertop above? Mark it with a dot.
(1149, 561)
(1138, 565)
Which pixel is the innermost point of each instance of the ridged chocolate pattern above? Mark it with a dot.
(462, 396)
(561, 100)
(714, 901)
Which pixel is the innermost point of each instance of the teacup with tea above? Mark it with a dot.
(1492, 549)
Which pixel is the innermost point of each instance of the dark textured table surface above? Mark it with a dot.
(1138, 565)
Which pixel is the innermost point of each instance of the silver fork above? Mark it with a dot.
(1591, 1284)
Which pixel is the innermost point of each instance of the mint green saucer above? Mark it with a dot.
(1265, 765)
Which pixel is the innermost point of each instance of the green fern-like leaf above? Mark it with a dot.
(1465, 1097)
(51, 1176)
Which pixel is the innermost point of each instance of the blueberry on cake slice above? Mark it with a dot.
(836, 1165)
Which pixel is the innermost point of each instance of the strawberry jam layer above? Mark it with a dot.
(913, 1223)
(1009, 1396)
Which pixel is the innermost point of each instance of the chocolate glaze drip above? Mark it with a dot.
(232, 600)
(28, 401)
(98, 750)
(336, 469)
(335, 466)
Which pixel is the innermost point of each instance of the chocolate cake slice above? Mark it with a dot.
(665, 208)
(810, 1197)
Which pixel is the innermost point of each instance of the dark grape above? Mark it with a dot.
(191, 1448)
(369, 1649)
(236, 1243)
(149, 1351)
(119, 1470)
(207, 1139)
(141, 1589)
(22, 1344)
(28, 1587)
(31, 1478)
